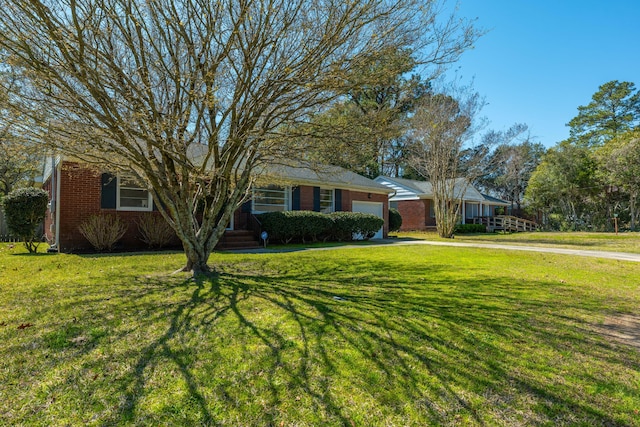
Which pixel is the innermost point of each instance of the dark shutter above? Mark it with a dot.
(109, 191)
(246, 207)
(338, 201)
(316, 199)
(295, 199)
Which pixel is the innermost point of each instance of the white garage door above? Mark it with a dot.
(374, 208)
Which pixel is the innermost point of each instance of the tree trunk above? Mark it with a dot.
(632, 210)
(445, 219)
(197, 258)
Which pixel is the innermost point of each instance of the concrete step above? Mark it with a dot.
(238, 239)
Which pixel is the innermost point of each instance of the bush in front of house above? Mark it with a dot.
(24, 211)
(395, 220)
(470, 228)
(103, 231)
(295, 225)
(346, 225)
(154, 231)
(305, 226)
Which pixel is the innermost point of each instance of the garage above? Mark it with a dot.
(374, 208)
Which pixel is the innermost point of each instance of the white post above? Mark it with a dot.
(464, 211)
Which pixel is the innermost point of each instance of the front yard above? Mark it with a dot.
(623, 242)
(412, 335)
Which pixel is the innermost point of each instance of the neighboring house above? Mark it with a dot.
(414, 201)
(78, 192)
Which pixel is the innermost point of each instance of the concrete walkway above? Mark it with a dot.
(621, 256)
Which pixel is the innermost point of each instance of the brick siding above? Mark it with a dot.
(80, 192)
(416, 214)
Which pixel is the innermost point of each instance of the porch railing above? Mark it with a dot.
(507, 223)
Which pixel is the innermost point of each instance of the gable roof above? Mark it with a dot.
(409, 189)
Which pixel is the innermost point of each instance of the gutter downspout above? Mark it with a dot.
(58, 172)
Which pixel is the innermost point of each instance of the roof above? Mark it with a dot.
(409, 189)
(494, 201)
(321, 175)
(294, 173)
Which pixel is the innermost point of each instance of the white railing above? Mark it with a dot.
(510, 224)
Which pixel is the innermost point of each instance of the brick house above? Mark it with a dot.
(78, 192)
(414, 201)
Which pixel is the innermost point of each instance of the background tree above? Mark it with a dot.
(193, 95)
(613, 110)
(619, 161)
(566, 182)
(20, 161)
(511, 166)
(364, 131)
(584, 179)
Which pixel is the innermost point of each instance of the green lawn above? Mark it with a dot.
(373, 336)
(623, 242)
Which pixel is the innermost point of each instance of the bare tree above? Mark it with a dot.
(193, 95)
(20, 161)
(443, 151)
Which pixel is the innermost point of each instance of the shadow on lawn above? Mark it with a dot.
(356, 345)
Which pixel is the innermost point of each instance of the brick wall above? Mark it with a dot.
(416, 214)
(80, 192)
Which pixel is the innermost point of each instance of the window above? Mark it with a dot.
(326, 200)
(132, 197)
(270, 199)
(472, 210)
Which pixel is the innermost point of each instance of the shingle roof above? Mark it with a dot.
(321, 175)
(407, 189)
(494, 200)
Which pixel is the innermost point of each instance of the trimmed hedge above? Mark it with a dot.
(470, 228)
(24, 210)
(395, 220)
(305, 226)
(295, 225)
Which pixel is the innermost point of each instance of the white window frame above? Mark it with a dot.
(287, 199)
(147, 208)
(470, 207)
(332, 192)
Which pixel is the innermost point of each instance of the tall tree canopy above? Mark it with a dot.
(566, 182)
(510, 167)
(584, 180)
(364, 131)
(619, 161)
(192, 95)
(613, 110)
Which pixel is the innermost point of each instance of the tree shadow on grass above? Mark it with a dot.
(419, 358)
(356, 345)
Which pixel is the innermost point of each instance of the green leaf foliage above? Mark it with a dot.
(24, 210)
(470, 228)
(613, 110)
(395, 220)
(305, 226)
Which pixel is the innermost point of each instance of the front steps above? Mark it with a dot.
(237, 239)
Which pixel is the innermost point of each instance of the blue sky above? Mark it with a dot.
(541, 59)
